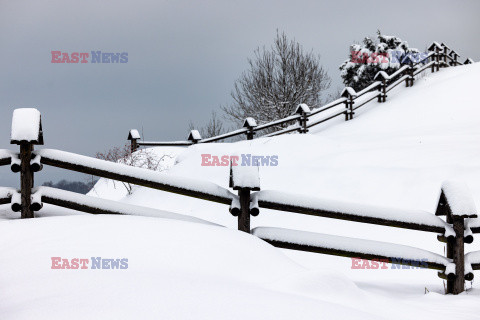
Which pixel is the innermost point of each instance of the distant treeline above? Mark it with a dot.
(74, 186)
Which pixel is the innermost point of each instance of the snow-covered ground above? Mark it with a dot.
(394, 154)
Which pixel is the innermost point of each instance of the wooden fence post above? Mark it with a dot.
(453, 195)
(382, 88)
(454, 55)
(133, 136)
(244, 179)
(303, 110)
(432, 58)
(26, 132)
(26, 179)
(458, 285)
(410, 79)
(445, 54)
(437, 59)
(244, 216)
(250, 123)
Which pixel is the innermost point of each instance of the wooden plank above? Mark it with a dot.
(134, 180)
(349, 217)
(280, 132)
(344, 253)
(326, 119)
(475, 230)
(328, 106)
(396, 83)
(458, 284)
(277, 122)
(77, 206)
(5, 161)
(26, 180)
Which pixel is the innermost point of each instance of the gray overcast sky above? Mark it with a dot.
(184, 57)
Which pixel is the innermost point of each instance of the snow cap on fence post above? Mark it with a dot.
(456, 200)
(194, 136)
(133, 136)
(250, 123)
(435, 46)
(26, 126)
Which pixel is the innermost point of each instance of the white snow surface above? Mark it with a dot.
(394, 154)
(25, 124)
(459, 198)
(134, 134)
(245, 176)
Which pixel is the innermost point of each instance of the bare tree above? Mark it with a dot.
(142, 158)
(278, 79)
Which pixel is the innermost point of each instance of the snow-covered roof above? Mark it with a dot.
(133, 134)
(302, 108)
(249, 122)
(468, 61)
(26, 126)
(194, 136)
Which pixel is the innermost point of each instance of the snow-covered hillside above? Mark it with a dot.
(394, 154)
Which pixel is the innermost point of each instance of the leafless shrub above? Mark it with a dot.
(142, 158)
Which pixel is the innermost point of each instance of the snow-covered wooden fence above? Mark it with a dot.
(440, 55)
(454, 201)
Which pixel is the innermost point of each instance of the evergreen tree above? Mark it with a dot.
(385, 53)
